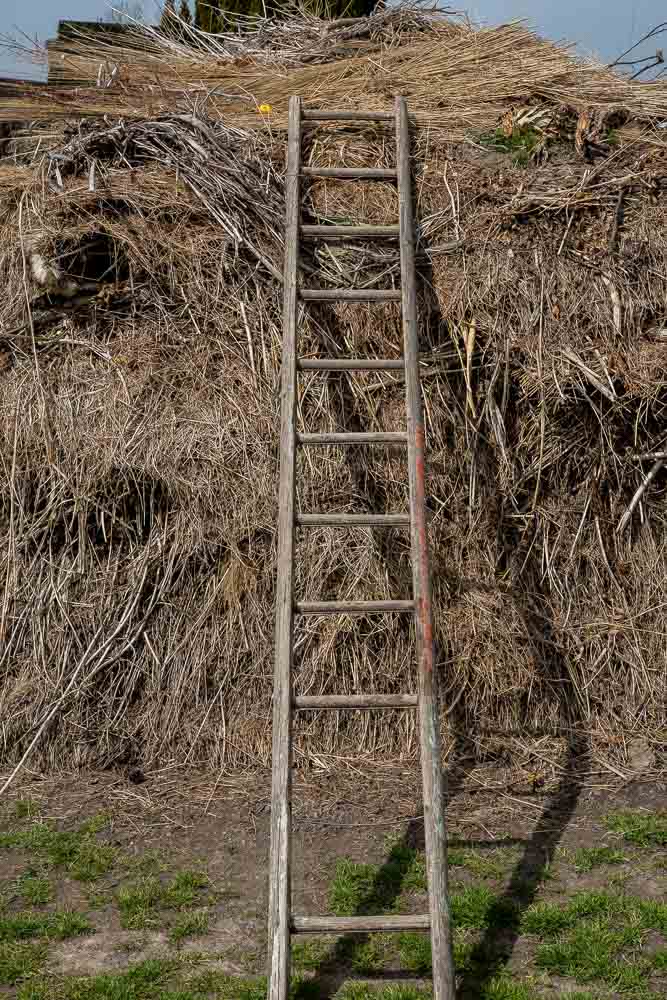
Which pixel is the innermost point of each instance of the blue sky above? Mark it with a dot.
(601, 27)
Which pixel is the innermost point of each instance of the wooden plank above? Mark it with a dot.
(351, 173)
(355, 701)
(353, 520)
(350, 295)
(359, 925)
(321, 115)
(351, 607)
(351, 232)
(280, 872)
(359, 438)
(348, 365)
(429, 729)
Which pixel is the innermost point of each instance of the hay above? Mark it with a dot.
(139, 357)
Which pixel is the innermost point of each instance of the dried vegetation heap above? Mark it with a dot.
(142, 219)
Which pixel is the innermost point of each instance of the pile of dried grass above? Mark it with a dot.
(139, 356)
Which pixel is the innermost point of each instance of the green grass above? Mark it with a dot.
(646, 829)
(414, 951)
(588, 858)
(214, 984)
(140, 903)
(19, 959)
(77, 851)
(520, 145)
(25, 809)
(481, 864)
(653, 915)
(309, 955)
(34, 889)
(189, 925)
(147, 981)
(659, 960)
(362, 888)
(597, 937)
(545, 919)
(184, 890)
(503, 987)
(57, 926)
(477, 907)
(361, 991)
(371, 957)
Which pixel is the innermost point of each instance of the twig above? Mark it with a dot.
(650, 476)
(618, 215)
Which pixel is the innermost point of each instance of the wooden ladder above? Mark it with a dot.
(282, 922)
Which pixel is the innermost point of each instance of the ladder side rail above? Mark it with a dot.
(280, 866)
(429, 723)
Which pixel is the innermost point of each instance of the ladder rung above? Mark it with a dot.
(345, 365)
(350, 294)
(353, 520)
(335, 701)
(359, 925)
(370, 438)
(311, 115)
(351, 607)
(351, 232)
(351, 173)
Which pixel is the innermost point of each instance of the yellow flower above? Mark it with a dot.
(264, 109)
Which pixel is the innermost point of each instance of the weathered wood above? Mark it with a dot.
(429, 729)
(350, 295)
(359, 925)
(346, 116)
(351, 232)
(312, 702)
(348, 365)
(281, 924)
(351, 607)
(280, 878)
(372, 437)
(351, 173)
(353, 520)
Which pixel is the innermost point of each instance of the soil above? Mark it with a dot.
(225, 826)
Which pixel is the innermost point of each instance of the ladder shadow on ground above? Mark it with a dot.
(496, 945)
(336, 968)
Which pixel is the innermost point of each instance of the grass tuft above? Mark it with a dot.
(477, 908)
(67, 924)
(77, 851)
(545, 919)
(478, 863)
(140, 902)
(588, 858)
(362, 991)
(415, 953)
(25, 809)
(20, 959)
(189, 925)
(148, 980)
(646, 829)
(362, 888)
(309, 955)
(34, 889)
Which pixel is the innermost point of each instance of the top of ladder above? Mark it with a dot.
(322, 115)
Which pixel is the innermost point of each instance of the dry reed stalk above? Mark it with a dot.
(139, 554)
